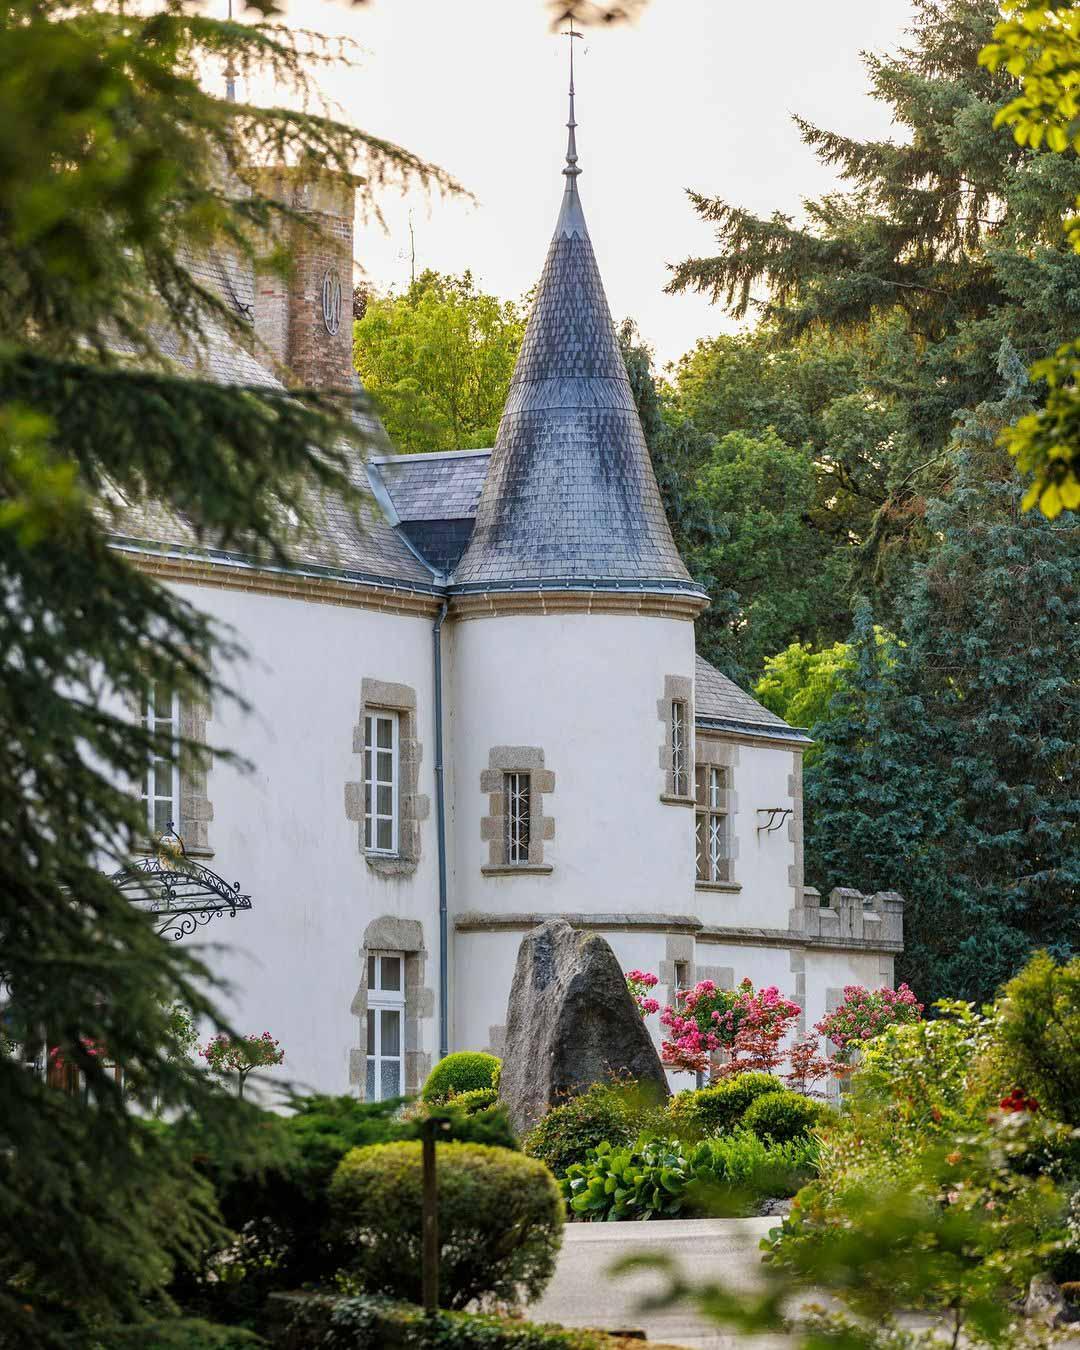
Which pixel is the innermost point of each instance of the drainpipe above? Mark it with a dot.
(382, 496)
(440, 818)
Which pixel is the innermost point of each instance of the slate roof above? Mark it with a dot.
(365, 549)
(441, 486)
(570, 495)
(720, 703)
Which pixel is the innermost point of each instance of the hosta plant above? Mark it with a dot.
(668, 1178)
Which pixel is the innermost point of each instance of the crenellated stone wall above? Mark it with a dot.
(851, 919)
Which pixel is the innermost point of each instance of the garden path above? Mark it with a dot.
(584, 1294)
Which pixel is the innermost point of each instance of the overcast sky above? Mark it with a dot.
(697, 94)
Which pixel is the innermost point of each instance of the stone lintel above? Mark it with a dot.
(476, 921)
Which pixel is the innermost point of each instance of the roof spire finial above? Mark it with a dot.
(571, 171)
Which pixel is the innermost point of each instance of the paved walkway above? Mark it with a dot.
(584, 1294)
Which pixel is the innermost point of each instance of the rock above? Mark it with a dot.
(570, 1023)
(1046, 1303)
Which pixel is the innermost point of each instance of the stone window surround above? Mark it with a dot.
(677, 689)
(413, 806)
(196, 810)
(390, 934)
(710, 751)
(504, 759)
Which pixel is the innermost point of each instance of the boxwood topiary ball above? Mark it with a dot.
(500, 1218)
(464, 1071)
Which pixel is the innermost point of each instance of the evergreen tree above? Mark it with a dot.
(947, 241)
(992, 666)
(952, 771)
(872, 802)
(118, 170)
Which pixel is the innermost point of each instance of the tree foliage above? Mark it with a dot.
(951, 773)
(438, 361)
(117, 171)
(1039, 43)
(945, 241)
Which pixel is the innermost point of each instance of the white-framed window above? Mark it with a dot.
(518, 789)
(161, 782)
(712, 836)
(679, 783)
(385, 1026)
(381, 781)
(682, 976)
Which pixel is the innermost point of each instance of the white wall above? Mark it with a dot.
(761, 777)
(584, 688)
(282, 832)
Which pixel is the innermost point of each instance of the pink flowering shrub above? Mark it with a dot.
(239, 1055)
(864, 1015)
(748, 1025)
(639, 982)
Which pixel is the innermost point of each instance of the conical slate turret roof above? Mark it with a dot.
(570, 499)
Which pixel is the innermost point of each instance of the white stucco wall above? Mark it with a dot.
(584, 688)
(761, 777)
(281, 830)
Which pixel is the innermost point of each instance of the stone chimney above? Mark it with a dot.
(303, 322)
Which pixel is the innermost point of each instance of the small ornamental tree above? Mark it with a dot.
(240, 1055)
(640, 982)
(748, 1025)
(864, 1015)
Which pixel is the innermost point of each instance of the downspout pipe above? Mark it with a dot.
(440, 823)
(386, 505)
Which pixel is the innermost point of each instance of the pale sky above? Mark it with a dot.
(696, 94)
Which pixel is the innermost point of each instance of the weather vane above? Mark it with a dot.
(571, 169)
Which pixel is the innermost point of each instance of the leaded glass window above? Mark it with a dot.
(679, 785)
(518, 806)
(385, 1026)
(161, 781)
(712, 835)
(381, 782)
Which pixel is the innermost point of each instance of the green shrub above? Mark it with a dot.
(667, 1178)
(615, 1113)
(279, 1203)
(464, 1071)
(717, 1110)
(1037, 1036)
(367, 1323)
(500, 1221)
(478, 1099)
(782, 1116)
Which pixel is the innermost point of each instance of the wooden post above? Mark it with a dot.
(430, 1219)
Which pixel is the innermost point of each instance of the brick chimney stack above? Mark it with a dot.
(303, 322)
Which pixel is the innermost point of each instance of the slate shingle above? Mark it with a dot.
(570, 493)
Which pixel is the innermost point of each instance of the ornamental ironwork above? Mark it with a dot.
(178, 893)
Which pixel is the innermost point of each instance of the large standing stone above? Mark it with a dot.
(570, 1023)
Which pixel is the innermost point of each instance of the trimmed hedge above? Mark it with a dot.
(365, 1323)
(463, 1071)
(779, 1117)
(500, 1222)
(719, 1109)
(605, 1113)
(478, 1099)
